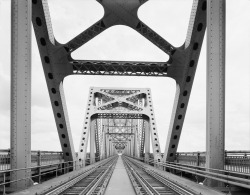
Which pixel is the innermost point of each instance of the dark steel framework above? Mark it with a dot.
(58, 62)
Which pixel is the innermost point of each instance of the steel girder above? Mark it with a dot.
(54, 61)
(118, 130)
(58, 63)
(186, 58)
(20, 112)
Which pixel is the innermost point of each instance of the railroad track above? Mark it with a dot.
(93, 181)
(146, 181)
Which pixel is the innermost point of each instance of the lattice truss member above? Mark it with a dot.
(58, 62)
(116, 121)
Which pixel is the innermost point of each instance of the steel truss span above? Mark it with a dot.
(119, 121)
(58, 63)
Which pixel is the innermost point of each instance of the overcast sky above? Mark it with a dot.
(169, 18)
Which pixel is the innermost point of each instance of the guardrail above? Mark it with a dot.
(238, 161)
(227, 177)
(37, 158)
(4, 159)
(44, 165)
(53, 170)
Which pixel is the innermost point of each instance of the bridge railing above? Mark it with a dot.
(50, 170)
(238, 161)
(230, 178)
(37, 158)
(4, 159)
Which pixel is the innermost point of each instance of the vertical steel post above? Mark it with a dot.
(198, 159)
(4, 180)
(107, 145)
(132, 145)
(128, 147)
(147, 141)
(39, 160)
(92, 141)
(20, 90)
(135, 143)
(111, 148)
(215, 144)
(104, 145)
(110, 151)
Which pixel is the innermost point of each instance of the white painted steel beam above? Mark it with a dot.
(215, 143)
(20, 90)
(109, 105)
(107, 146)
(147, 141)
(92, 142)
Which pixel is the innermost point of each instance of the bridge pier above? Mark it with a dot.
(20, 91)
(215, 143)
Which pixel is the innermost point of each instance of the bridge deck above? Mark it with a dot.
(194, 187)
(120, 182)
(42, 188)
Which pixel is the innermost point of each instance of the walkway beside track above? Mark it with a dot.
(120, 182)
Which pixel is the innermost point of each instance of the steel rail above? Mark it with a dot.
(70, 183)
(98, 180)
(208, 174)
(218, 170)
(176, 188)
(33, 176)
(105, 183)
(134, 183)
(146, 186)
(92, 185)
(168, 184)
(150, 190)
(196, 168)
(226, 152)
(204, 168)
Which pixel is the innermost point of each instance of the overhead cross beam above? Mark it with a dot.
(118, 125)
(58, 62)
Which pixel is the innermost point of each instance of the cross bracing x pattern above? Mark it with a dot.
(115, 131)
(58, 62)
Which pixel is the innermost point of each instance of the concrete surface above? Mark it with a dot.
(120, 182)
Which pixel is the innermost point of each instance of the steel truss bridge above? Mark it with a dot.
(119, 124)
